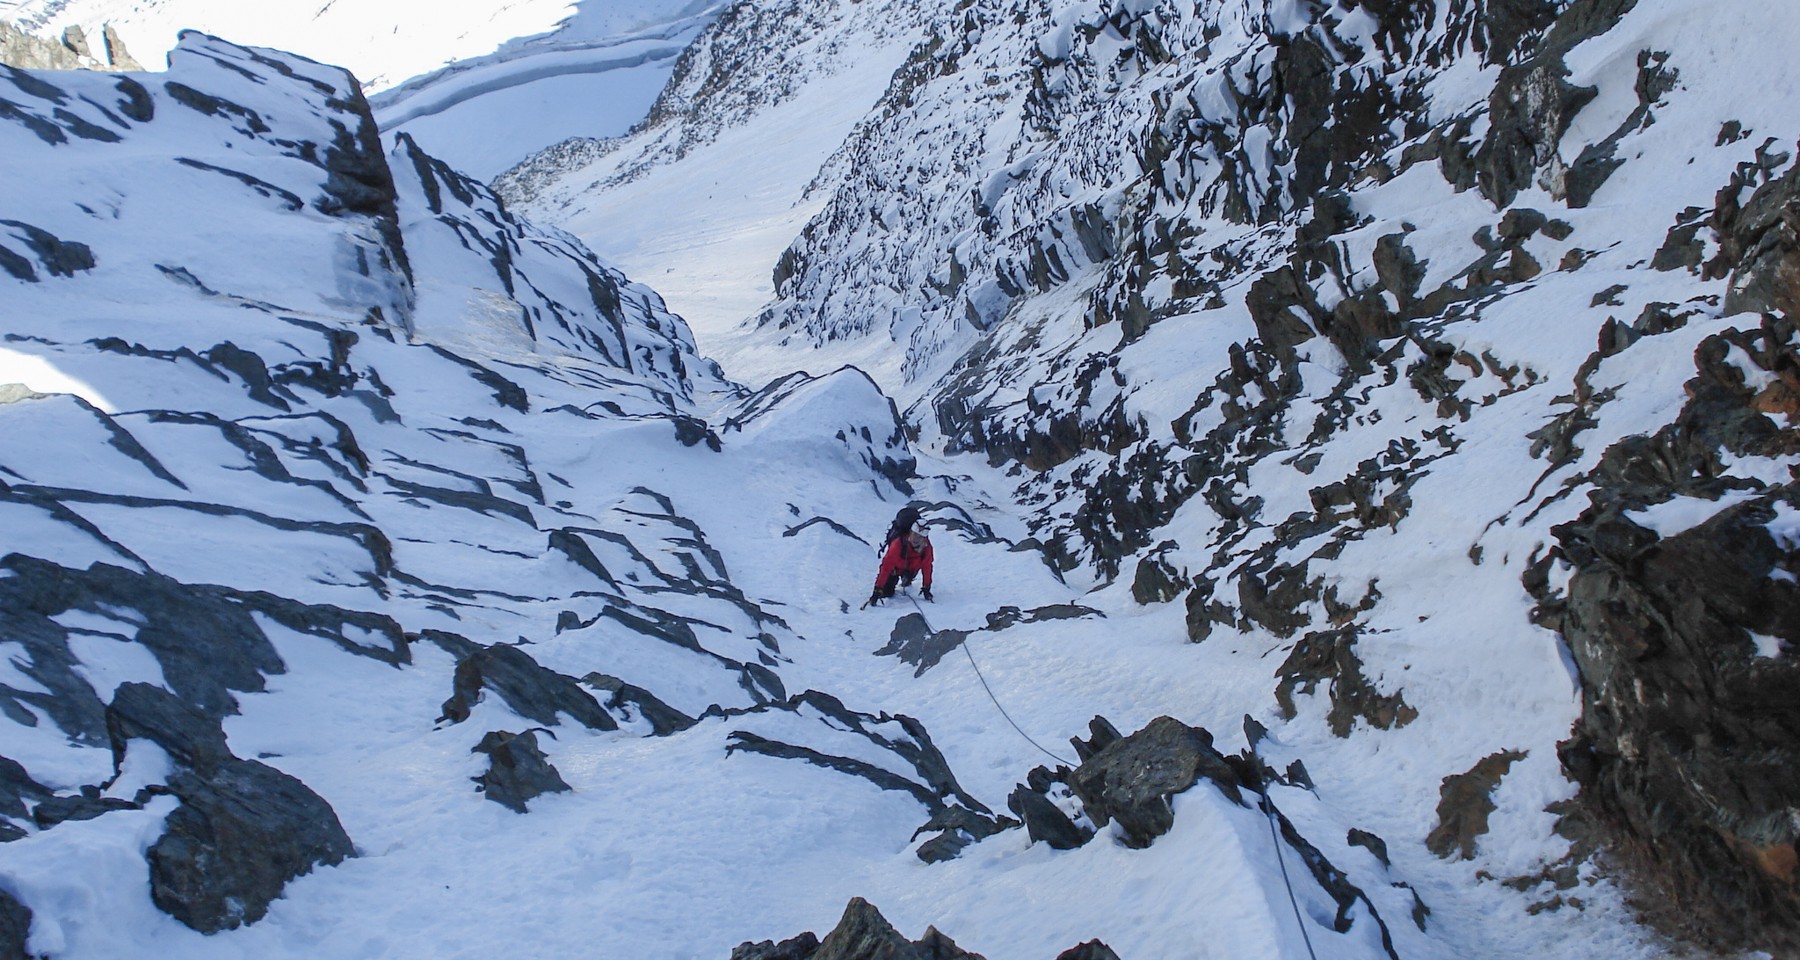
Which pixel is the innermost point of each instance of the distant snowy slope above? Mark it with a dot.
(485, 114)
(383, 42)
(481, 87)
(703, 199)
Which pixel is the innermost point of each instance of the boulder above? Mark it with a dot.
(1131, 780)
(243, 830)
(517, 769)
(1045, 820)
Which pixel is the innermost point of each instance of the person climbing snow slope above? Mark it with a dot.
(907, 554)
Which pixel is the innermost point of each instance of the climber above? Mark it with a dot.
(907, 554)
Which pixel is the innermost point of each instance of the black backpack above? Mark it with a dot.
(903, 521)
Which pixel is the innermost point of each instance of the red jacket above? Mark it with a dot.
(902, 559)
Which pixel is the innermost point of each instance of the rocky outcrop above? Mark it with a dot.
(517, 770)
(72, 51)
(1684, 640)
(1127, 782)
(862, 933)
(243, 829)
(530, 689)
(1130, 780)
(1463, 807)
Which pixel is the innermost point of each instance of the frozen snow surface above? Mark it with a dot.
(306, 427)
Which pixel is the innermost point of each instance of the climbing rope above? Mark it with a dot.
(1300, 921)
(990, 690)
(1268, 806)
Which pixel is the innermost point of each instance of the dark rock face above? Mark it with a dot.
(958, 827)
(17, 786)
(795, 948)
(517, 769)
(15, 928)
(59, 258)
(1329, 656)
(1132, 779)
(913, 641)
(143, 711)
(241, 833)
(205, 638)
(864, 934)
(529, 688)
(1046, 821)
(1686, 747)
(629, 698)
(1091, 950)
(1759, 237)
(1463, 807)
(959, 818)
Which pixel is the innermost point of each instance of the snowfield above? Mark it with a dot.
(325, 463)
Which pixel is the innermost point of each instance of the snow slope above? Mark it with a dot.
(1342, 324)
(481, 87)
(410, 449)
(1157, 338)
(383, 43)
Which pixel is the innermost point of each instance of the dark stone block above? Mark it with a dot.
(1045, 821)
(143, 711)
(517, 769)
(1131, 780)
(241, 833)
